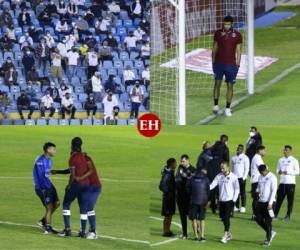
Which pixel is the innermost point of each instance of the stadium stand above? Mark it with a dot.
(55, 47)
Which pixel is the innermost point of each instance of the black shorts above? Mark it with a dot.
(197, 212)
(47, 196)
(168, 205)
(226, 208)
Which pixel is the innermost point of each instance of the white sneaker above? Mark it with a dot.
(243, 210)
(224, 238)
(91, 236)
(216, 109)
(272, 235)
(228, 112)
(229, 236)
(236, 209)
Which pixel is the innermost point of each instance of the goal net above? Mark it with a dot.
(202, 19)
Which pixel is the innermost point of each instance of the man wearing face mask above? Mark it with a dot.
(145, 25)
(111, 41)
(23, 103)
(111, 109)
(130, 42)
(28, 61)
(226, 59)
(105, 52)
(26, 42)
(136, 9)
(253, 142)
(54, 93)
(90, 105)
(220, 153)
(92, 62)
(43, 54)
(47, 104)
(184, 172)
(97, 87)
(136, 97)
(72, 57)
(114, 8)
(67, 106)
(6, 66)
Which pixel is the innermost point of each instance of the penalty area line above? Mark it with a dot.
(99, 236)
(259, 89)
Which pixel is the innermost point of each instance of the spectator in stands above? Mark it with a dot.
(128, 76)
(67, 106)
(136, 97)
(105, 52)
(111, 109)
(33, 77)
(130, 42)
(102, 25)
(23, 103)
(75, 33)
(56, 65)
(51, 9)
(70, 41)
(114, 8)
(26, 42)
(39, 7)
(145, 52)
(34, 33)
(10, 31)
(80, 4)
(32, 93)
(62, 27)
(6, 66)
(145, 25)
(89, 17)
(72, 58)
(43, 53)
(97, 87)
(73, 8)
(24, 18)
(62, 9)
(90, 41)
(146, 76)
(111, 42)
(49, 40)
(90, 105)
(62, 48)
(11, 77)
(6, 44)
(83, 51)
(54, 93)
(136, 9)
(64, 89)
(28, 61)
(47, 103)
(5, 18)
(92, 62)
(138, 33)
(82, 26)
(44, 18)
(5, 103)
(97, 7)
(111, 85)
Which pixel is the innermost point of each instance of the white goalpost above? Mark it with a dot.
(181, 39)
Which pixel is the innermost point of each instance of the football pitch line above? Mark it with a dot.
(62, 178)
(165, 241)
(99, 236)
(260, 89)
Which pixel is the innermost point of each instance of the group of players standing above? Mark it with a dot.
(213, 184)
(84, 185)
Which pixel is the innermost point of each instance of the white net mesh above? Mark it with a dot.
(203, 18)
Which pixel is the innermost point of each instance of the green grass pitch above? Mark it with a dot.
(121, 211)
(174, 141)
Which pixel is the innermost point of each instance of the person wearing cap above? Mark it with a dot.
(266, 191)
(5, 103)
(128, 76)
(90, 105)
(23, 103)
(47, 103)
(67, 106)
(111, 109)
(136, 97)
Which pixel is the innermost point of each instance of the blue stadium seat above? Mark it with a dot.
(8, 54)
(132, 121)
(75, 122)
(19, 122)
(82, 97)
(137, 21)
(78, 106)
(63, 122)
(115, 55)
(127, 106)
(123, 14)
(118, 64)
(6, 122)
(127, 23)
(30, 122)
(118, 23)
(79, 89)
(75, 81)
(122, 31)
(112, 71)
(124, 55)
(98, 122)
(139, 64)
(124, 97)
(128, 63)
(142, 108)
(53, 122)
(87, 122)
(4, 88)
(56, 105)
(107, 64)
(14, 89)
(74, 96)
(103, 73)
(99, 106)
(122, 122)
(41, 122)
(134, 55)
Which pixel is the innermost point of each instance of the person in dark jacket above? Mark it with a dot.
(254, 141)
(167, 186)
(220, 153)
(23, 103)
(28, 61)
(184, 172)
(24, 18)
(205, 157)
(198, 188)
(111, 85)
(90, 105)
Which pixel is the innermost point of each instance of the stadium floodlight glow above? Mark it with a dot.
(250, 29)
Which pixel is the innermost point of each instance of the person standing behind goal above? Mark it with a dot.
(226, 58)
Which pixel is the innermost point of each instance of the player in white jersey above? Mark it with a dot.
(257, 160)
(288, 169)
(266, 189)
(228, 193)
(240, 167)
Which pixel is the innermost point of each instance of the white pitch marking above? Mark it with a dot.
(100, 236)
(160, 219)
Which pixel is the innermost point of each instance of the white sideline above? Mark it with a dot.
(99, 236)
(165, 241)
(260, 89)
(61, 178)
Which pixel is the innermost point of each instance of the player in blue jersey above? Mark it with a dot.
(44, 188)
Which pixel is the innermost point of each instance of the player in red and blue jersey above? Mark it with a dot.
(44, 188)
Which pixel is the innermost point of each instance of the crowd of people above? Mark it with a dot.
(213, 183)
(67, 56)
